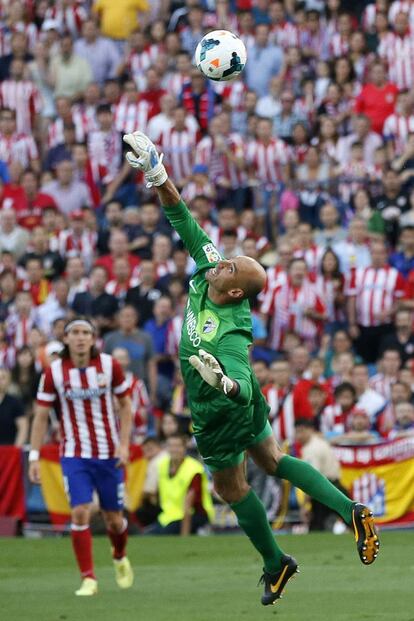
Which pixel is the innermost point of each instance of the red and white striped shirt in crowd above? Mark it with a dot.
(55, 133)
(83, 246)
(401, 6)
(333, 419)
(312, 256)
(219, 165)
(276, 275)
(69, 18)
(140, 403)
(174, 335)
(396, 128)
(86, 116)
(368, 18)
(376, 291)
(6, 35)
(120, 289)
(398, 52)
(179, 152)
(382, 384)
(7, 356)
(285, 35)
(285, 408)
(129, 117)
(327, 290)
(287, 312)
(18, 148)
(338, 45)
(233, 93)
(83, 401)
(138, 63)
(106, 149)
(18, 328)
(175, 82)
(23, 97)
(267, 161)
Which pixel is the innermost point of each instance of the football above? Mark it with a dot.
(220, 55)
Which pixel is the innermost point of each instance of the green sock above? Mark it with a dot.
(252, 519)
(305, 477)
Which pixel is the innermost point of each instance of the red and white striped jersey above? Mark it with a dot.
(382, 384)
(18, 148)
(129, 117)
(219, 165)
(140, 403)
(85, 116)
(233, 93)
(312, 256)
(18, 328)
(338, 45)
(287, 312)
(276, 275)
(326, 290)
(399, 55)
(83, 400)
(23, 97)
(82, 128)
(285, 35)
(138, 63)
(179, 152)
(6, 35)
(106, 149)
(284, 410)
(7, 357)
(396, 128)
(267, 161)
(119, 289)
(376, 291)
(175, 82)
(83, 247)
(174, 335)
(333, 419)
(70, 18)
(368, 18)
(401, 6)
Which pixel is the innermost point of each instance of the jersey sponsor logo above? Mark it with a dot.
(191, 327)
(207, 325)
(211, 253)
(84, 393)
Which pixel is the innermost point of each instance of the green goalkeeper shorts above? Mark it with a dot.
(234, 459)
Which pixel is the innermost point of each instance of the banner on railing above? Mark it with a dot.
(54, 492)
(12, 499)
(382, 477)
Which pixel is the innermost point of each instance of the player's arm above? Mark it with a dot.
(229, 372)
(125, 418)
(39, 428)
(146, 158)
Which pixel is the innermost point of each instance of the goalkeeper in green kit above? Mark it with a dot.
(229, 412)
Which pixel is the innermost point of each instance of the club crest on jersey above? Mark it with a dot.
(211, 253)
(207, 325)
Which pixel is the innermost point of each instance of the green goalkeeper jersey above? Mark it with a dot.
(222, 425)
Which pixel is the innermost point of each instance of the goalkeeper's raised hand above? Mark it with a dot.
(212, 373)
(146, 158)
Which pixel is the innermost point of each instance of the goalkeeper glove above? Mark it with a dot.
(146, 158)
(211, 371)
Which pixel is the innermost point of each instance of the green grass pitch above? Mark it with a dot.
(208, 579)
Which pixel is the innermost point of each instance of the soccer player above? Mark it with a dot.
(230, 415)
(80, 385)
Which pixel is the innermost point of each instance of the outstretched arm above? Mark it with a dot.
(146, 158)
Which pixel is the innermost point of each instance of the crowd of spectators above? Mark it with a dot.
(305, 162)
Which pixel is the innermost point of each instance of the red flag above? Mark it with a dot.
(12, 502)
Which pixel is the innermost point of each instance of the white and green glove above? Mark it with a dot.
(146, 158)
(211, 371)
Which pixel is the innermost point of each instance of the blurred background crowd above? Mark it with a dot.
(305, 163)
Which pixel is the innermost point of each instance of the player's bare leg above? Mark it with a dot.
(82, 546)
(231, 485)
(117, 529)
(268, 456)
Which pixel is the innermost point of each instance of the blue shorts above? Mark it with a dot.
(82, 476)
